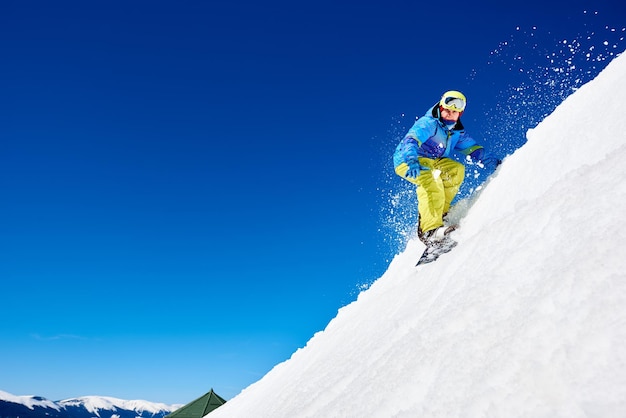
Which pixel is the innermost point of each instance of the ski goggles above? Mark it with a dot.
(453, 103)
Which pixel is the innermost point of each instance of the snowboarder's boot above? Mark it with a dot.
(435, 235)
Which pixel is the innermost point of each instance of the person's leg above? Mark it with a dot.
(452, 175)
(430, 196)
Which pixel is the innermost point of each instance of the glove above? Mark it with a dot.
(414, 169)
(490, 162)
(486, 159)
(433, 148)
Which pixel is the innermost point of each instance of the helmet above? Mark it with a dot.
(453, 100)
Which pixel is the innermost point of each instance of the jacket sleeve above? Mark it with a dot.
(423, 128)
(468, 146)
(407, 149)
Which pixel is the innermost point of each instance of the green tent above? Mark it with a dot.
(200, 407)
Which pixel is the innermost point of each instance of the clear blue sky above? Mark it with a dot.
(190, 190)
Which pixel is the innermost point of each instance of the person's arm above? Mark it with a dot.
(477, 153)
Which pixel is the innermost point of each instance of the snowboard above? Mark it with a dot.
(434, 250)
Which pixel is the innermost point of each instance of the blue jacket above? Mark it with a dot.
(446, 139)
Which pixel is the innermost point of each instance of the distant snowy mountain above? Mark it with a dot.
(12, 406)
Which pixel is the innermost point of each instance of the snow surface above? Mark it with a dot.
(95, 403)
(92, 404)
(28, 400)
(525, 318)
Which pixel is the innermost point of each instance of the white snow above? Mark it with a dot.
(28, 400)
(92, 404)
(95, 403)
(525, 318)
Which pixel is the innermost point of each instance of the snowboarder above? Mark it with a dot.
(422, 157)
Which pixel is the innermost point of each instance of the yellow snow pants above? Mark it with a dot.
(436, 188)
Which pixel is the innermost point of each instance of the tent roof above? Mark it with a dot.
(200, 407)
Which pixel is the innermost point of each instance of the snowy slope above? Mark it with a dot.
(527, 317)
